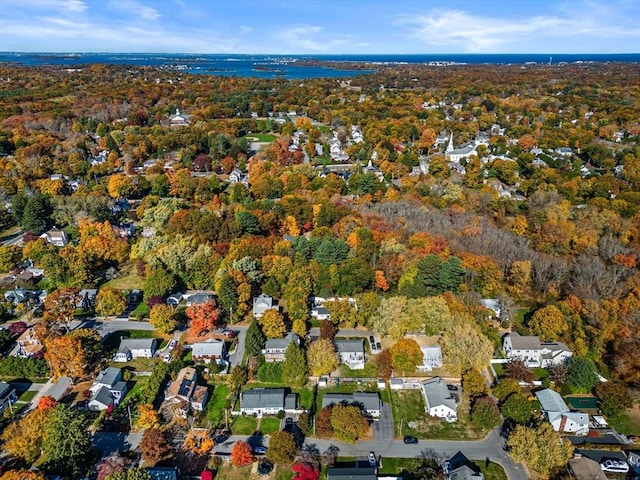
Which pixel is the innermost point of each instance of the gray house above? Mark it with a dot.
(369, 400)
(7, 395)
(268, 401)
(352, 473)
(131, 348)
(274, 348)
(107, 389)
(351, 353)
(460, 468)
(438, 401)
(207, 351)
(262, 303)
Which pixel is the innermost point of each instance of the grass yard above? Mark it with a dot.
(627, 422)
(395, 466)
(229, 472)
(369, 371)
(261, 137)
(244, 425)
(268, 425)
(27, 396)
(140, 312)
(409, 418)
(214, 412)
(129, 280)
(493, 471)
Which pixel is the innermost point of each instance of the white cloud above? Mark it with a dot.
(300, 38)
(458, 29)
(136, 9)
(62, 5)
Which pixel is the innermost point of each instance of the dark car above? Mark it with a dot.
(372, 341)
(378, 346)
(409, 440)
(259, 450)
(229, 333)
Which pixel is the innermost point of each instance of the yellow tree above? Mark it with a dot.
(272, 324)
(148, 417)
(541, 448)
(163, 318)
(110, 301)
(548, 323)
(321, 357)
(22, 475)
(24, 438)
(66, 356)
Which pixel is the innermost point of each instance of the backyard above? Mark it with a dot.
(409, 418)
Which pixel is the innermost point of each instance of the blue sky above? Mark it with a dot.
(321, 26)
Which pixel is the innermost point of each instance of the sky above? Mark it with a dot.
(321, 26)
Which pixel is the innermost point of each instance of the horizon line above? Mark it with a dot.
(323, 54)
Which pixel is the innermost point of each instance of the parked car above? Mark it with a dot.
(378, 346)
(259, 450)
(372, 459)
(229, 333)
(616, 466)
(173, 344)
(166, 358)
(409, 440)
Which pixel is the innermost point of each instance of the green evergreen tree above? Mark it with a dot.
(429, 274)
(294, 367)
(67, 441)
(227, 295)
(35, 218)
(450, 275)
(159, 282)
(254, 341)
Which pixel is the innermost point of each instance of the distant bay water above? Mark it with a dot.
(290, 66)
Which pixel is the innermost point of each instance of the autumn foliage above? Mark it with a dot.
(204, 317)
(241, 454)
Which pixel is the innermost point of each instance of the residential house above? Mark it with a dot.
(492, 304)
(174, 299)
(457, 154)
(87, 299)
(633, 457)
(351, 353)
(29, 344)
(186, 391)
(274, 348)
(320, 313)
(237, 176)
(268, 401)
(262, 303)
(431, 358)
(56, 236)
(179, 119)
(111, 379)
(558, 414)
(352, 473)
(370, 401)
(535, 353)
(209, 350)
(22, 296)
(124, 230)
(459, 467)
(199, 298)
(7, 395)
(131, 348)
(438, 401)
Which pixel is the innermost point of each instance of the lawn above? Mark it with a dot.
(214, 412)
(369, 371)
(140, 312)
(627, 423)
(244, 425)
(395, 466)
(229, 472)
(128, 281)
(409, 418)
(261, 137)
(268, 425)
(493, 471)
(27, 396)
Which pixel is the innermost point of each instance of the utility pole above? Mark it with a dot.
(130, 421)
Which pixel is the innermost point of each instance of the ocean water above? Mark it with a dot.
(288, 66)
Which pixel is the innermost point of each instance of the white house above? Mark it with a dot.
(56, 237)
(268, 401)
(370, 401)
(431, 358)
(179, 119)
(438, 401)
(457, 154)
(262, 303)
(274, 348)
(320, 313)
(108, 389)
(558, 414)
(535, 353)
(351, 353)
(210, 350)
(131, 348)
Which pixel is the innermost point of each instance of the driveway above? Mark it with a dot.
(108, 442)
(238, 354)
(383, 428)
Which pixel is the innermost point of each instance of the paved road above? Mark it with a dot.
(490, 448)
(13, 239)
(106, 327)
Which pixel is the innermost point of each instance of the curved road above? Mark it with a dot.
(490, 448)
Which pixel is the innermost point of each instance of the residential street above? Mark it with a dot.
(490, 448)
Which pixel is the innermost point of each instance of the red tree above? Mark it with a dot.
(46, 403)
(304, 471)
(203, 317)
(241, 454)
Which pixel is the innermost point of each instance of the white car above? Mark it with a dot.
(616, 466)
(372, 459)
(173, 344)
(167, 358)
